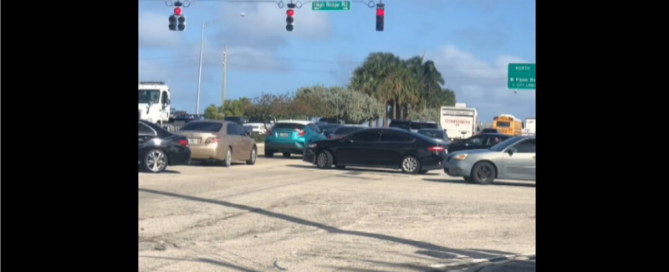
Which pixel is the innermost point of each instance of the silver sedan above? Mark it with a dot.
(514, 158)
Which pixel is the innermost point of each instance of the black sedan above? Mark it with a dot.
(378, 147)
(159, 148)
(481, 141)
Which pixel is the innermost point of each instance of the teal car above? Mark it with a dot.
(291, 137)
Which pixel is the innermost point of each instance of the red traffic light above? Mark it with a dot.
(290, 12)
(177, 11)
(379, 12)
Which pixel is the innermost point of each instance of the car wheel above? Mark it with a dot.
(286, 154)
(154, 161)
(269, 153)
(483, 173)
(324, 160)
(410, 165)
(228, 158)
(254, 156)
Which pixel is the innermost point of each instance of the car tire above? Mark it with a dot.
(324, 159)
(253, 157)
(483, 173)
(154, 161)
(410, 165)
(228, 158)
(286, 154)
(269, 153)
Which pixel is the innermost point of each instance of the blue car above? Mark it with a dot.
(291, 137)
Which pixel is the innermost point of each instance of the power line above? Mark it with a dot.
(446, 67)
(265, 69)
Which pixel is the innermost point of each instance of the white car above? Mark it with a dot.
(256, 127)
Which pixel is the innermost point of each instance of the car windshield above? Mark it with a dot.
(202, 126)
(146, 96)
(423, 125)
(328, 128)
(506, 143)
(432, 133)
(346, 130)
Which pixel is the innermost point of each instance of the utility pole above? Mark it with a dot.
(199, 73)
(225, 73)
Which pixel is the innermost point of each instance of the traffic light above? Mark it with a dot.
(177, 20)
(289, 17)
(173, 22)
(380, 12)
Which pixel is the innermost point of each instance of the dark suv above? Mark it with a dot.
(414, 126)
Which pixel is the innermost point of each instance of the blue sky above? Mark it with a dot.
(471, 41)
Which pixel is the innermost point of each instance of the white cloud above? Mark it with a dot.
(154, 32)
(481, 84)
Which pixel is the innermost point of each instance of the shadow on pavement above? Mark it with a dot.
(330, 229)
(503, 183)
(358, 171)
(204, 260)
(281, 157)
(166, 171)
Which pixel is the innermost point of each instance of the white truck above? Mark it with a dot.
(459, 122)
(530, 126)
(154, 103)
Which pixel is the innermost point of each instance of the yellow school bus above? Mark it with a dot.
(508, 125)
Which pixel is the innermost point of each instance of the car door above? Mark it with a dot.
(491, 140)
(245, 142)
(474, 142)
(391, 148)
(233, 139)
(356, 148)
(145, 133)
(521, 163)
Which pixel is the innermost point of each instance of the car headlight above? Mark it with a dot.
(460, 157)
(313, 145)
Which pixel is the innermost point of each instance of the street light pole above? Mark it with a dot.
(199, 73)
(199, 70)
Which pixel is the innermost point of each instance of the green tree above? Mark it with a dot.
(212, 113)
(237, 107)
(424, 114)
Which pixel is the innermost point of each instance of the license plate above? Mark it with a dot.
(283, 135)
(193, 141)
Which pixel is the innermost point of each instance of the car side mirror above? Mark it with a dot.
(511, 151)
(164, 106)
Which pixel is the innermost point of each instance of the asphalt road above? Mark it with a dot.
(285, 215)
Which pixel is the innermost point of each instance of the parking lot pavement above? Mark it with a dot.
(285, 215)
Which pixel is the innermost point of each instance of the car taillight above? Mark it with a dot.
(212, 140)
(435, 149)
(301, 133)
(183, 142)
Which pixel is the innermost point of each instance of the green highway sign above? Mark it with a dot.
(522, 76)
(331, 5)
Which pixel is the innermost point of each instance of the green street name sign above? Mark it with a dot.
(331, 5)
(522, 76)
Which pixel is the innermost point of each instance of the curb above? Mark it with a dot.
(471, 262)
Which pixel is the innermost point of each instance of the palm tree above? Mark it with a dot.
(429, 79)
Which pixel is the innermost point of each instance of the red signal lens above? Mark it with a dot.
(379, 12)
(177, 11)
(290, 12)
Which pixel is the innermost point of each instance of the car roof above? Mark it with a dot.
(430, 129)
(294, 122)
(497, 134)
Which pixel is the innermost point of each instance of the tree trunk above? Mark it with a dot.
(378, 122)
(402, 112)
(394, 109)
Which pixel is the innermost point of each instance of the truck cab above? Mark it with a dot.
(154, 102)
